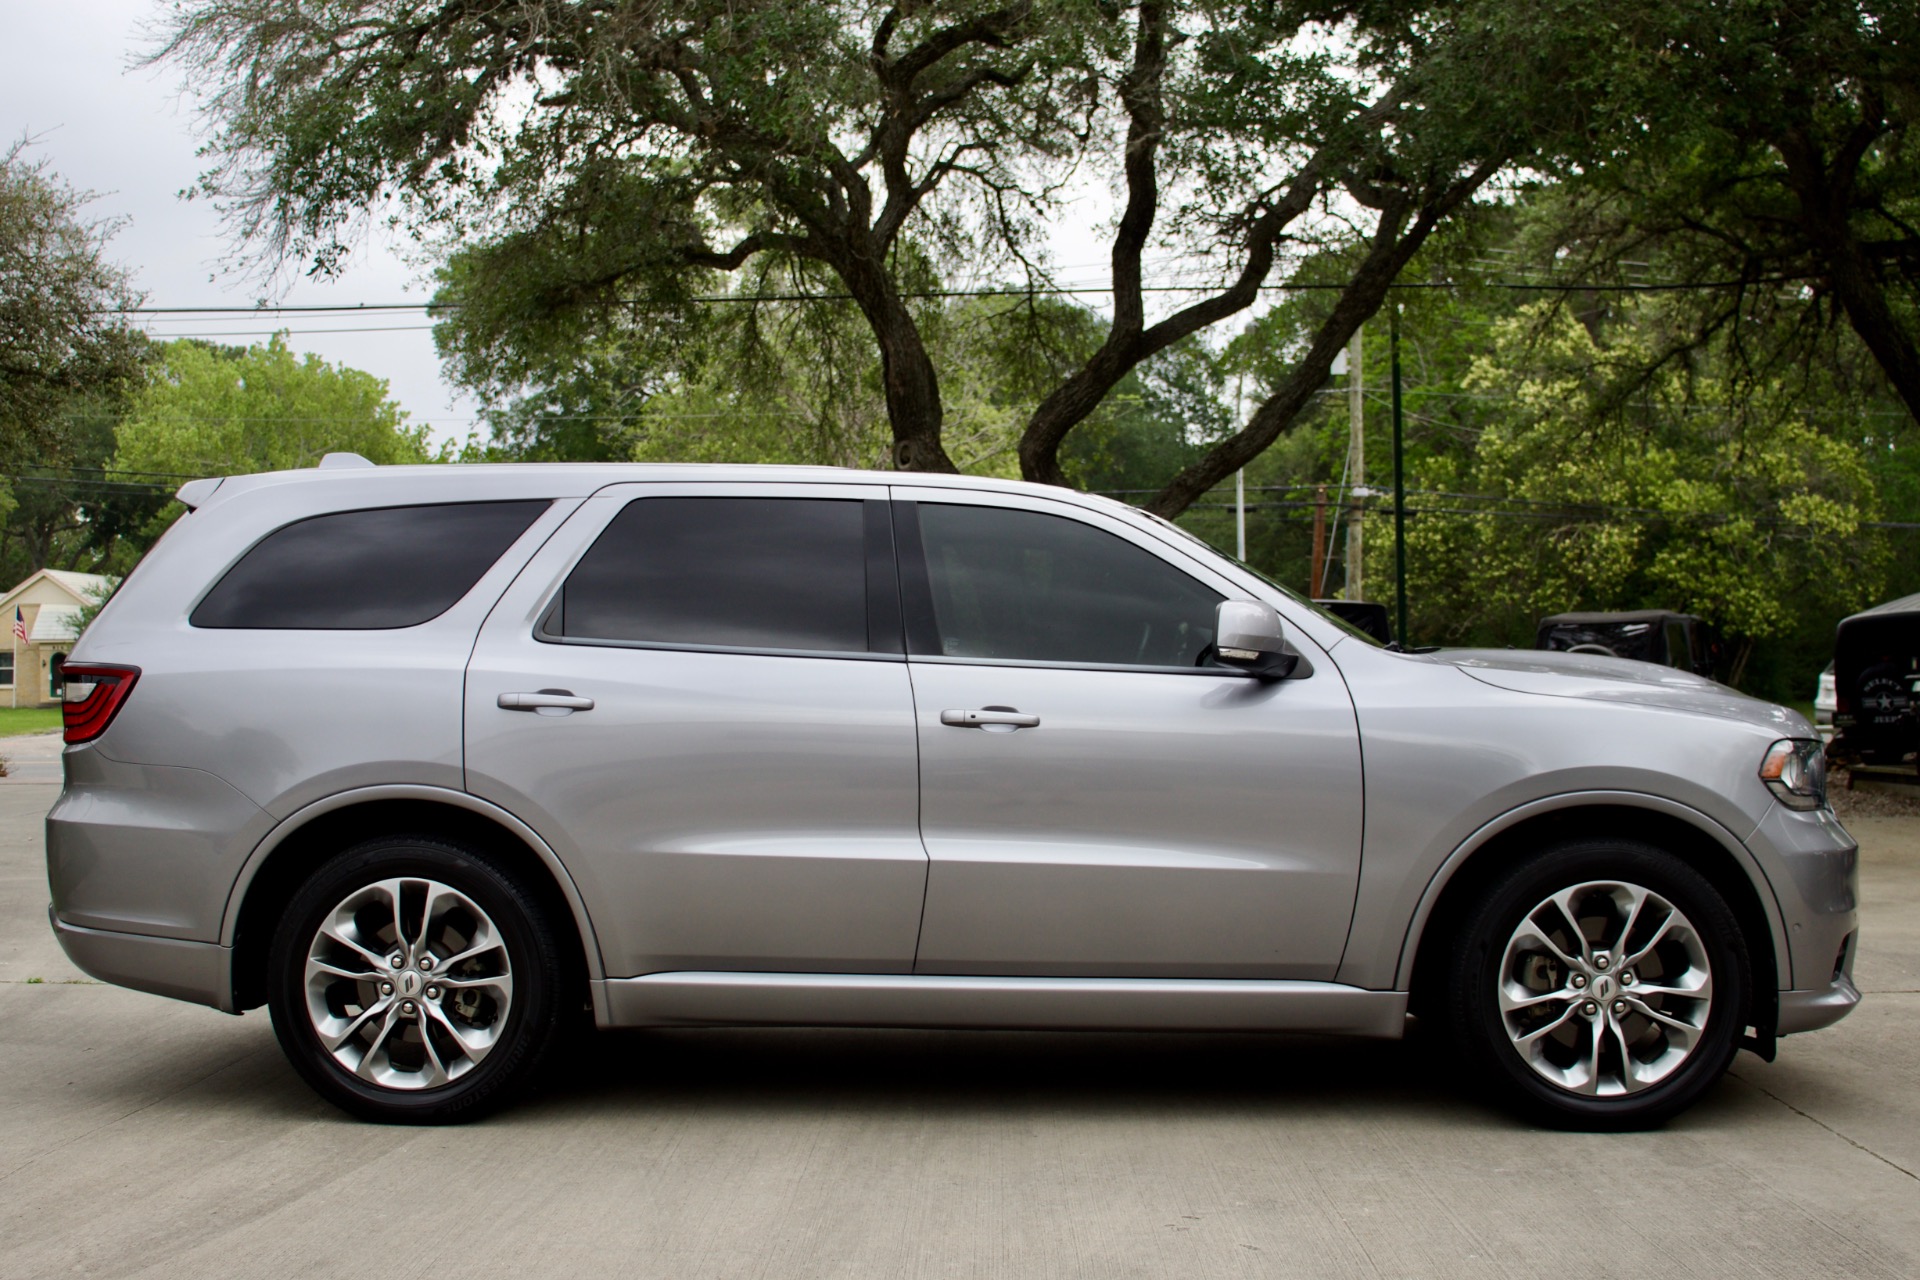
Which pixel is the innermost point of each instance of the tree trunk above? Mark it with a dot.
(1856, 285)
(1825, 191)
(912, 387)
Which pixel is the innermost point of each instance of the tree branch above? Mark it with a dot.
(1389, 253)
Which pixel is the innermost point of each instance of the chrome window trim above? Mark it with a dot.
(1301, 672)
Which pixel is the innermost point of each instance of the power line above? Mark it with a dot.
(292, 332)
(1668, 286)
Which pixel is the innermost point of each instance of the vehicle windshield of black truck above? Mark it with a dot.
(1639, 640)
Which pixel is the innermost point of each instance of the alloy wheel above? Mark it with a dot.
(1605, 988)
(408, 983)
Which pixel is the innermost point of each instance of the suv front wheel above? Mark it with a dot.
(414, 981)
(1601, 985)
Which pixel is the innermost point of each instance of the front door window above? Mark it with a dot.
(1025, 586)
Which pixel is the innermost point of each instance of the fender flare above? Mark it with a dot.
(1734, 846)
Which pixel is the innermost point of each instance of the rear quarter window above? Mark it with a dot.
(373, 569)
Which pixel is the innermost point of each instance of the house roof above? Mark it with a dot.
(90, 586)
(81, 589)
(56, 623)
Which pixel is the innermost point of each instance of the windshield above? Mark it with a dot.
(1281, 587)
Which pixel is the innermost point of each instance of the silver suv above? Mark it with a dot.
(431, 760)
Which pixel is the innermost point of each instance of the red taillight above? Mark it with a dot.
(95, 691)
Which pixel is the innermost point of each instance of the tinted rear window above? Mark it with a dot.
(368, 570)
(752, 573)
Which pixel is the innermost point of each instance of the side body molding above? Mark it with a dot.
(294, 822)
(1579, 799)
(979, 1002)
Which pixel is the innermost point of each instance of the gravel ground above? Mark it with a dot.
(1873, 799)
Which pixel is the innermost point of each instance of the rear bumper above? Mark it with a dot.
(192, 971)
(1822, 1007)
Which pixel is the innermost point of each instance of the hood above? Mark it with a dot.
(1597, 678)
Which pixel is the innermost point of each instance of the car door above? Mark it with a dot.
(696, 693)
(1095, 797)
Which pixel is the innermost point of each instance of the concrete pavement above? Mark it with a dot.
(139, 1137)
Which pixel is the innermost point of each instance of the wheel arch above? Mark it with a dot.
(284, 858)
(1706, 845)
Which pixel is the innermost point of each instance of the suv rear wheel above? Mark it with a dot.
(1601, 985)
(414, 981)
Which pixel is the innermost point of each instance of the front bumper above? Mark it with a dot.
(192, 971)
(1822, 1007)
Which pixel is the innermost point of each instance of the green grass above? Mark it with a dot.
(19, 720)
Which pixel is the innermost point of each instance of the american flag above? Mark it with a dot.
(19, 624)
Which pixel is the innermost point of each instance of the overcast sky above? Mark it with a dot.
(128, 135)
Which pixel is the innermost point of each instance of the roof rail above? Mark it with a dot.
(343, 461)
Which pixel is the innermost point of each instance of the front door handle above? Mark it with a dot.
(547, 702)
(1003, 718)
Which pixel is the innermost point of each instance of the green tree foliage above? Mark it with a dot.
(208, 410)
(60, 336)
(1777, 150)
(73, 511)
(67, 364)
(598, 168)
(794, 382)
(1272, 130)
(605, 153)
(1561, 456)
(1682, 502)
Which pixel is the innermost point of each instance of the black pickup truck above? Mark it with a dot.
(1649, 635)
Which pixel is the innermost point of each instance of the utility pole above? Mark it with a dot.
(1240, 476)
(1356, 466)
(1317, 573)
(1399, 487)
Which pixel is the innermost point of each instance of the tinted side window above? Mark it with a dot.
(374, 569)
(751, 573)
(1022, 585)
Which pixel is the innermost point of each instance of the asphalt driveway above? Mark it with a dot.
(139, 1136)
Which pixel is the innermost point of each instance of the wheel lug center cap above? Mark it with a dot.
(1603, 987)
(409, 983)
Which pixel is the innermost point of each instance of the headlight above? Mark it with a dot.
(1795, 770)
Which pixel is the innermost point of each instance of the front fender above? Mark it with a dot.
(1409, 937)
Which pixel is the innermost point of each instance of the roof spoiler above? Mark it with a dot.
(194, 492)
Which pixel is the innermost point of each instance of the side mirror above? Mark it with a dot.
(1248, 635)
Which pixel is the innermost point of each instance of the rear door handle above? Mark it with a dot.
(553, 702)
(990, 717)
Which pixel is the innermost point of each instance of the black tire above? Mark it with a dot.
(1479, 964)
(525, 1029)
